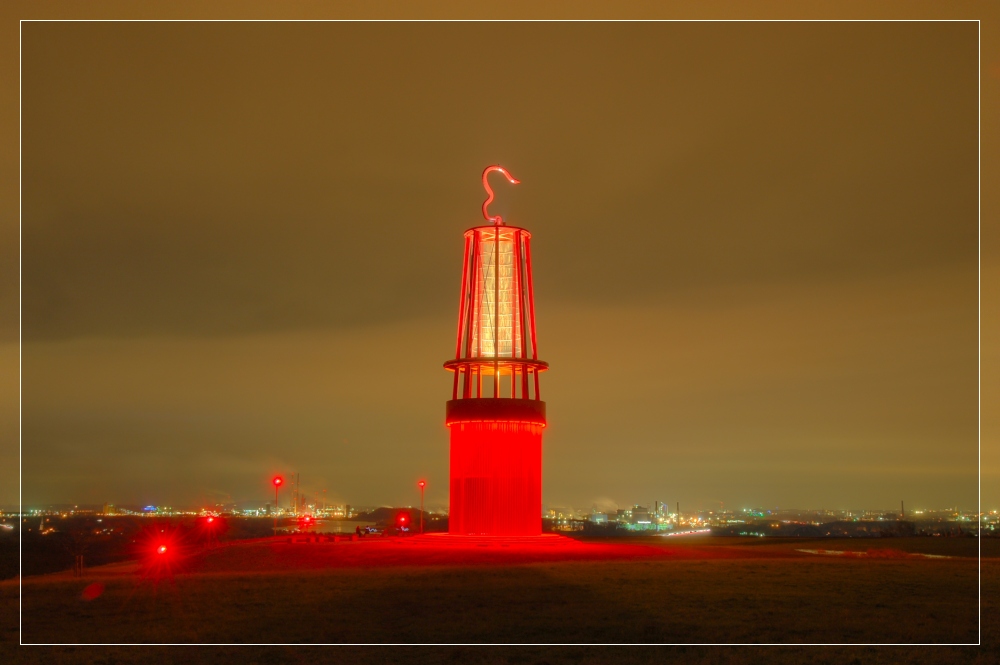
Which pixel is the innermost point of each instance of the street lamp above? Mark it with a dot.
(421, 485)
(277, 483)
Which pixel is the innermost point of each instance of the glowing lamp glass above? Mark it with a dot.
(494, 334)
(496, 307)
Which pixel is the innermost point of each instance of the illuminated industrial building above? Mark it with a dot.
(495, 416)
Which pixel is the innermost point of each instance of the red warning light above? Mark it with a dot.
(277, 481)
(161, 549)
(211, 519)
(422, 484)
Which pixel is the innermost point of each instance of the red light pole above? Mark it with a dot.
(495, 416)
(421, 485)
(277, 483)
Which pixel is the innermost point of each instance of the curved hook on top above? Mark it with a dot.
(497, 220)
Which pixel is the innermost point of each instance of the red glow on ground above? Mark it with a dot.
(303, 553)
(92, 591)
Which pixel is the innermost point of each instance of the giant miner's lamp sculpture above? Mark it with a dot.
(495, 415)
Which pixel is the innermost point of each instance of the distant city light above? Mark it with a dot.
(688, 533)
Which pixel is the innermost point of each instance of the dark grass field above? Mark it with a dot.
(679, 590)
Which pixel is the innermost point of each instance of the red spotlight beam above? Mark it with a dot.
(496, 220)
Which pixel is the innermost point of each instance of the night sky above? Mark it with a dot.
(755, 249)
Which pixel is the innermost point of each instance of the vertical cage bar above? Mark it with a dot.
(463, 298)
(517, 307)
(472, 320)
(496, 311)
(531, 305)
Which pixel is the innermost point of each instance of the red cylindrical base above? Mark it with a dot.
(496, 478)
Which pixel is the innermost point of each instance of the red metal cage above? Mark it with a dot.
(496, 353)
